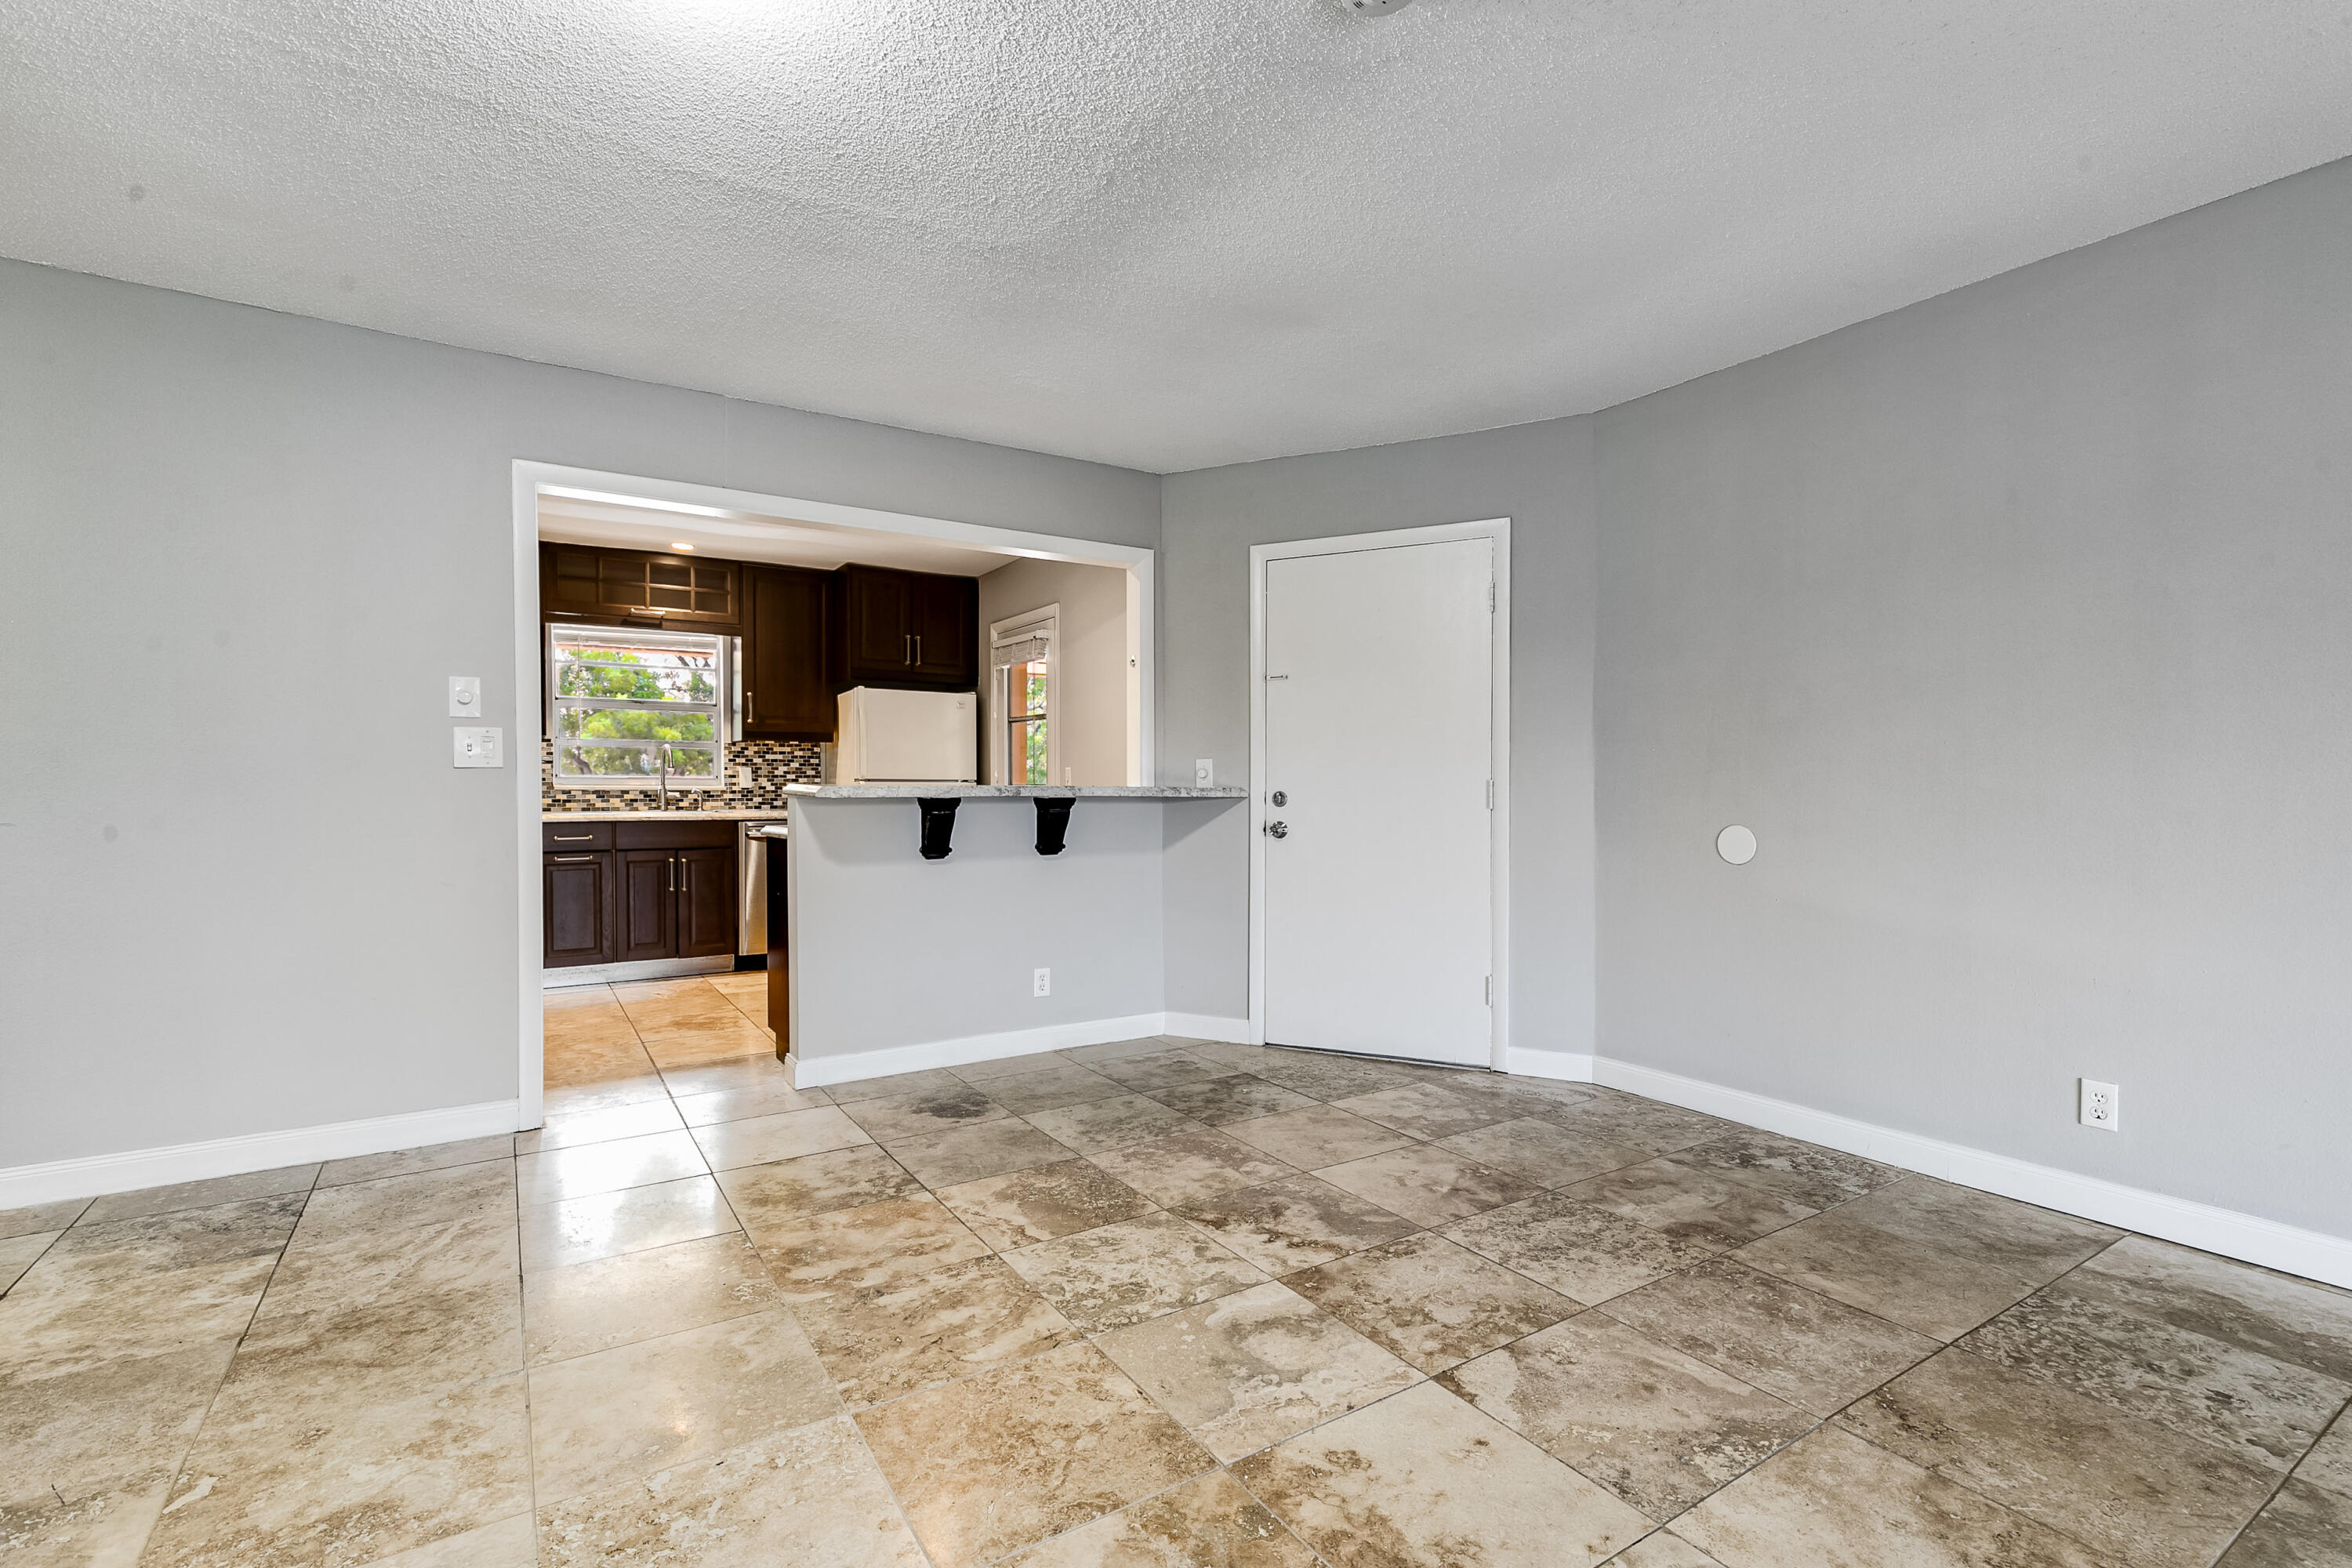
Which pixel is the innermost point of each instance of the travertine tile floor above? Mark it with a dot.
(1154, 1303)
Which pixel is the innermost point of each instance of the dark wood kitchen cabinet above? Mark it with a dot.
(786, 695)
(592, 583)
(906, 628)
(634, 891)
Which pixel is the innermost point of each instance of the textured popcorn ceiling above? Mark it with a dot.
(1151, 232)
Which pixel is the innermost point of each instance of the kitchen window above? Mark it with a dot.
(1022, 657)
(619, 700)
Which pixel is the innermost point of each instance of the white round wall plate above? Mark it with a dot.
(1736, 844)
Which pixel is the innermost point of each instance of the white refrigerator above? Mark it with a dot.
(907, 737)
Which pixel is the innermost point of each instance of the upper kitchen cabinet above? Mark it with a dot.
(786, 694)
(592, 583)
(906, 628)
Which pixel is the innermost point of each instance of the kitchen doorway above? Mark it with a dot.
(1379, 754)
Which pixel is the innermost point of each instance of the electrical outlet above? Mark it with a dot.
(2098, 1105)
(742, 778)
(1041, 983)
(1204, 773)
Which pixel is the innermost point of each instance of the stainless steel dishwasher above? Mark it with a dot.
(752, 926)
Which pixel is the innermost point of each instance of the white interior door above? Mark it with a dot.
(1379, 860)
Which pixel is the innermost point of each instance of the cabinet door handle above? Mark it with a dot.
(570, 860)
(574, 837)
(909, 639)
(919, 648)
(673, 873)
(750, 707)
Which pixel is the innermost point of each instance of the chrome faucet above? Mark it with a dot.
(664, 754)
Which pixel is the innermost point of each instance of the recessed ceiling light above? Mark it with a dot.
(679, 544)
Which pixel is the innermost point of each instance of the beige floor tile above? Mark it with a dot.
(1160, 1070)
(1192, 1166)
(2032, 1243)
(590, 1168)
(1042, 1203)
(1241, 1058)
(104, 1528)
(570, 1129)
(811, 1496)
(913, 1115)
(1049, 1087)
(409, 1162)
(1326, 1135)
(1117, 1050)
(200, 1195)
(1816, 1353)
(1422, 1478)
(594, 997)
(602, 1064)
(699, 1045)
(1209, 1522)
(428, 1197)
(1319, 1075)
(744, 1104)
(1432, 1302)
(381, 1351)
(933, 1327)
(657, 1007)
(2303, 1527)
(968, 1153)
(1580, 1251)
(2329, 1462)
(1833, 1499)
(1920, 1286)
(1096, 1125)
(1238, 1097)
(1541, 1151)
(1116, 1275)
(786, 1135)
(1802, 1172)
(628, 1090)
(323, 1274)
(1425, 1109)
(511, 1542)
(41, 1218)
(92, 1432)
(286, 1480)
(1632, 1122)
(626, 1414)
(612, 1301)
(998, 1067)
(767, 1195)
(1530, 1093)
(870, 1247)
(1659, 1428)
(2258, 1407)
(1427, 1185)
(2290, 1320)
(579, 1230)
(993, 1463)
(1682, 1200)
(2137, 1491)
(1296, 1223)
(738, 1074)
(898, 1086)
(1663, 1550)
(1250, 1369)
(19, 1253)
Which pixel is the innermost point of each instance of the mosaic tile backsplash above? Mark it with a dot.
(773, 764)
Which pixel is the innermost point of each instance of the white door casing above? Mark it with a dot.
(1381, 716)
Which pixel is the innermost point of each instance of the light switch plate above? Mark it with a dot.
(479, 748)
(465, 697)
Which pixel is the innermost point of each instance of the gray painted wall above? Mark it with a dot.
(2015, 624)
(889, 948)
(1538, 476)
(257, 896)
(1090, 675)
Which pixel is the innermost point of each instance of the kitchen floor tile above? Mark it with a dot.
(2036, 1244)
(409, 1162)
(1042, 1203)
(1095, 1125)
(1325, 1135)
(1237, 1097)
(898, 1086)
(1682, 1200)
(1119, 1274)
(744, 1104)
(1632, 1122)
(770, 1194)
(568, 1129)
(1537, 1151)
(200, 1195)
(1938, 1293)
(968, 1153)
(1659, 1428)
(1051, 1088)
(1116, 1050)
(2303, 1527)
(997, 1462)
(656, 1008)
(579, 1230)
(786, 1135)
(1320, 1075)
(592, 1168)
(1663, 1549)
(1159, 1070)
(1427, 1185)
(1801, 1173)
(42, 1216)
(19, 1253)
(2276, 1315)
(1295, 1223)
(862, 1248)
(737, 1075)
(1008, 1067)
(631, 1088)
(701, 1044)
(1422, 1478)
(912, 1115)
(1426, 1109)
(1210, 1522)
(1431, 1302)
(1816, 1353)
(429, 1197)
(1250, 1369)
(611, 1301)
(1580, 1251)
(1192, 1166)
(886, 1340)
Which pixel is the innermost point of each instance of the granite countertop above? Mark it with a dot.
(647, 813)
(1009, 791)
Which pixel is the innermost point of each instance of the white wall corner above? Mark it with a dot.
(1210, 1026)
(95, 1176)
(1571, 1067)
(2250, 1238)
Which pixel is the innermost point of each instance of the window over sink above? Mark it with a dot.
(620, 699)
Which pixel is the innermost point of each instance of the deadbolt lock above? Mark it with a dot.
(1279, 798)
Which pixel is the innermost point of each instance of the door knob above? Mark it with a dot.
(1278, 829)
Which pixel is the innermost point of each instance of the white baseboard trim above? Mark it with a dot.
(817, 1072)
(94, 1176)
(1570, 1066)
(2247, 1237)
(1210, 1026)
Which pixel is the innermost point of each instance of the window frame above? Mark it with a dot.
(1048, 619)
(721, 709)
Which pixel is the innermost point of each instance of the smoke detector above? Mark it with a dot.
(1374, 7)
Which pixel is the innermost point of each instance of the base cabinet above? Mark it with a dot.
(645, 891)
